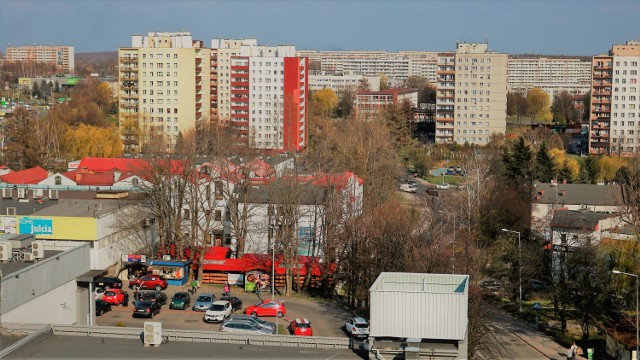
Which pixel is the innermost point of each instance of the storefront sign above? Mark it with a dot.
(134, 258)
(214, 262)
(36, 226)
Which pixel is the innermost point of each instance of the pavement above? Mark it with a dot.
(326, 318)
(522, 340)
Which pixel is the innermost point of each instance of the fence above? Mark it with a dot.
(206, 336)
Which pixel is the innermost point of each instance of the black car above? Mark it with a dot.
(154, 296)
(108, 282)
(234, 301)
(102, 307)
(146, 309)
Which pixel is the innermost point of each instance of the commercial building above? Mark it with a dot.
(169, 82)
(615, 101)
(61, 56)
(552, 75)
(471, 99)
(370, 103)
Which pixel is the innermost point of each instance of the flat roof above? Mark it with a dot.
(11, 267)
(421, 282)
(81, 208)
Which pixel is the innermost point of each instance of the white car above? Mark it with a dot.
(408, 188)
(443, 186)
(219, 311)
(357, 327)
(98, 293)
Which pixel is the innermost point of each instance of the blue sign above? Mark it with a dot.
(536, 306)
(35, 226)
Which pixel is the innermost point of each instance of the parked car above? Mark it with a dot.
(408, 188)
(149, 282)
(102, 307)
(146, 309)
(181, 300)
(491, 288)
(255, 320)
(235, 302)
(219, 311)
(98, 293)
(443, 186)
(108, 282)
(203, 302)
(154, 296)
(267, 308)
(246, 327)
(114, 296)
(301, 327)
(357, 327)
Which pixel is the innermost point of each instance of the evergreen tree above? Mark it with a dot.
(518, 162)
(593, 168)
(544, 167)
(583, 176)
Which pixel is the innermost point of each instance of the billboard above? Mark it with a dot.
(24, 81)
(72, 81)
(36, 226)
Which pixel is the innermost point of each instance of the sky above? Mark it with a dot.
(553, 27)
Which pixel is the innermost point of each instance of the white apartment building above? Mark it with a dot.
(338, 82)
(399, 65)
(261, 91)
(62, 56)
(471, 99)
(615, 104)
(553, 75)
(164, 88)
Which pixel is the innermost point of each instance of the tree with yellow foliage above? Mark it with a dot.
(539, 105)
(87, 140)
(324, 101)
(609, 167)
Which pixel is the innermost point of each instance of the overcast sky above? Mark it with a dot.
(579, 27)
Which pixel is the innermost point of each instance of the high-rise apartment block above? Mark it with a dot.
(615, 101)
(61, 56)
(471, 99)
(552, 75)
(169, 82)
(398, 65)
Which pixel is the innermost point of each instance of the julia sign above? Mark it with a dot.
(36, 226)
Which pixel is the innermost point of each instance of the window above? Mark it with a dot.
(58, 180)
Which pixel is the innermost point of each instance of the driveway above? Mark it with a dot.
(326, 318)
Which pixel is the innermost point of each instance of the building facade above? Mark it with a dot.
(62, 56)
(615, 101)
(338, 82)
(552, 75)
(471, 99)
(369, 104)
(170, 82)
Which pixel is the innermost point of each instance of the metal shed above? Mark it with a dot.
(422, 308)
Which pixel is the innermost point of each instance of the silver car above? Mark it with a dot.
(254, 319)
(245, 327)
(203, 302)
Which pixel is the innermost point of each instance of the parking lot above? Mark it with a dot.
(326, 318)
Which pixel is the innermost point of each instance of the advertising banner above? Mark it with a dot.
(35, 226)
(24, 81)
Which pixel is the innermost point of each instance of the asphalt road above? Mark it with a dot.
(81, 347)
(326, 318)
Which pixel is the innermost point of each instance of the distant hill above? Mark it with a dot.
(92, 57)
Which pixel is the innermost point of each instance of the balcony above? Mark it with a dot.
(128, 60)
(198, 69)
(240, 67)
(129, 86)
(128, 105)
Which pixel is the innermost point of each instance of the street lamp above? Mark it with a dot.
(637, 328)
(519, 267)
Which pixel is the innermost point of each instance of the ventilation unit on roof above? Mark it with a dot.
(5, 251)
(7, 193)
(22, 193)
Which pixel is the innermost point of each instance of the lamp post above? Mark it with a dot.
(519, 267)
(637, 328)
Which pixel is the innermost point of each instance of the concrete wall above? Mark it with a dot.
(38, 290)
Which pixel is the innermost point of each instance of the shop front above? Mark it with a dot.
(175, 272)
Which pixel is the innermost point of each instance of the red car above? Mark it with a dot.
(149, 282)
(267, 308)
(301, 327)
(114, 296)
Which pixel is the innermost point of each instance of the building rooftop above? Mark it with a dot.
(576, 194)
(422, 283)
(27, 176)
(583, 220)
(81, 207)
(8, 268)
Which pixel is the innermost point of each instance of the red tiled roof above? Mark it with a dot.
(106, 164)
(28, 176)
